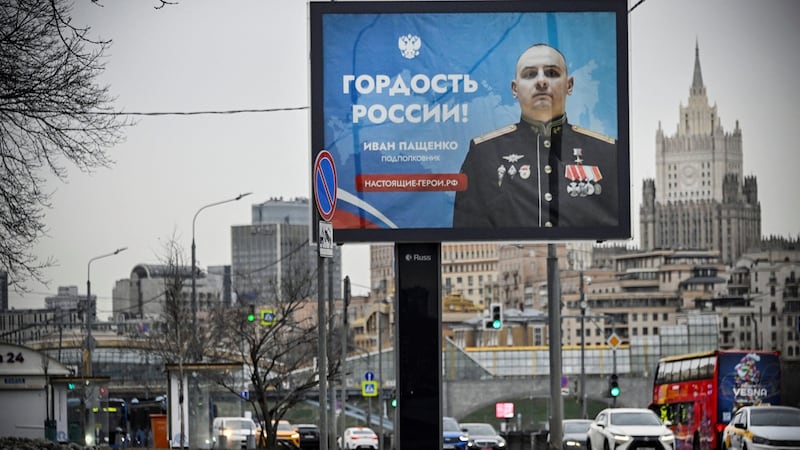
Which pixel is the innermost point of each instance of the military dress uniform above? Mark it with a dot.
(534, 174)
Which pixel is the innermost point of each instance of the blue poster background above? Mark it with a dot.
(484, 46)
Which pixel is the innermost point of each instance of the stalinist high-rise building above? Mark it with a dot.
(700, 198)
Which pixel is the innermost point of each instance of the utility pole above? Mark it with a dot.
(583, 347)
(554, 317)
(382, 411)
(343, 355)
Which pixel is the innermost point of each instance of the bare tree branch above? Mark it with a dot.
(280, 357)
(172, 340)
(52, 114)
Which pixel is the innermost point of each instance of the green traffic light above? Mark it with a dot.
(613, 386)
(71, 386)
(496, 324)
(394, 403)
(251, 317)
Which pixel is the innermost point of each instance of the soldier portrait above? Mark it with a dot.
(542, 171)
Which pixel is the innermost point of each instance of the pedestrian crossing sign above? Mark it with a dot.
(369, 388)
(267, 317)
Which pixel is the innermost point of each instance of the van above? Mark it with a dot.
(238, 432)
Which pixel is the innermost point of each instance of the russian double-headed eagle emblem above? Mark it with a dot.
(409, 46)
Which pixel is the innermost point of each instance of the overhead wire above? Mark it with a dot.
(224, 111)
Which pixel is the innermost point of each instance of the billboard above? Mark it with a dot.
(474, 120)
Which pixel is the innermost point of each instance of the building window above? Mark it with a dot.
(644, 331)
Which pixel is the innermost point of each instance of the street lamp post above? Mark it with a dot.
(90, 311)
(193, 269)
(89, 425)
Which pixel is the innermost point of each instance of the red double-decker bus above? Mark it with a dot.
(698, 393)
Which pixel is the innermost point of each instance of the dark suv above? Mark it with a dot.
(309, 435)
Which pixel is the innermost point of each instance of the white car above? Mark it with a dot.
(358, 438)
(230, 432)
(762, 428)
(623, 428)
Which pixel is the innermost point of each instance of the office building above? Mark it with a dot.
(272, 257)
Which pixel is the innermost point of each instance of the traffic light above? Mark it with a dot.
(613, 386)
(71, 386)
(251, 314)
(496, 315)
(393, 400)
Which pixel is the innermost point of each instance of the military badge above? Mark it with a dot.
(512, 171)
(525, 171)
(501, 172)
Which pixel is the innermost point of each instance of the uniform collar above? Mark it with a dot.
(555, 126)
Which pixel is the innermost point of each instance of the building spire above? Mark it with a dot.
(697, 80)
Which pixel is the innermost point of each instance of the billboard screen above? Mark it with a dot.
(475, 120)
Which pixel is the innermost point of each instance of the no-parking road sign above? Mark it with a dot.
(325, 185)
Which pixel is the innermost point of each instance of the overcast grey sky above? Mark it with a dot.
(216, 55)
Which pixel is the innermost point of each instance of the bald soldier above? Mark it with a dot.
(542, 171)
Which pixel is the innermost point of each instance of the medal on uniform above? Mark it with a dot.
(512, 171)
(512, 159)
(584, 180)
(577, 153)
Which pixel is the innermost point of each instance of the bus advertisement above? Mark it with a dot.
(698, 393)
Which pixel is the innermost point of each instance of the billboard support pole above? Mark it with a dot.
(418, 306)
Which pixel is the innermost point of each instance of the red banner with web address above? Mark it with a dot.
(411, 182)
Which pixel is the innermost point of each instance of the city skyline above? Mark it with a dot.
(184, 58)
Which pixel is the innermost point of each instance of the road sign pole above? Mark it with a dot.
(325, 187)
